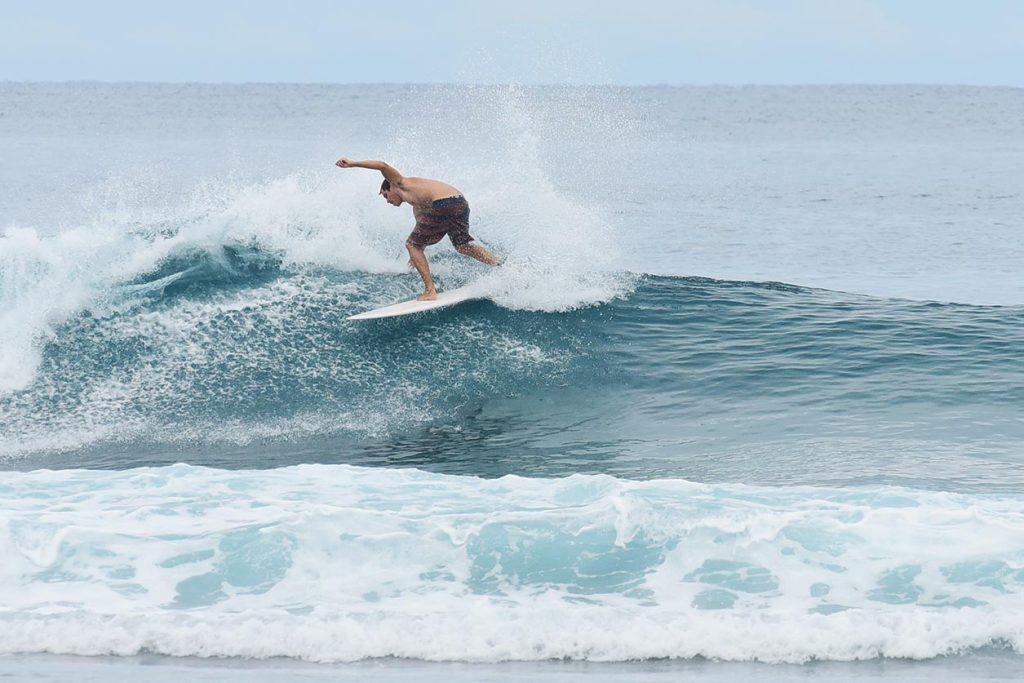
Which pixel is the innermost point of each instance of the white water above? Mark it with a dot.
(337, 563)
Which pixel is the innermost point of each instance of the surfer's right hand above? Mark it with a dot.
(343, 163)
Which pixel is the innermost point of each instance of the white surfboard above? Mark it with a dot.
(444, 299)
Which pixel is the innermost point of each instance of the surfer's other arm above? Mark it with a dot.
(389, 173)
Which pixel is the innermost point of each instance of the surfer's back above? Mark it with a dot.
(426, 190)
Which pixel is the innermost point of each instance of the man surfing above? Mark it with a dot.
(439, 209)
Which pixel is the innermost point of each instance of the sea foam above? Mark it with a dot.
(340, 563)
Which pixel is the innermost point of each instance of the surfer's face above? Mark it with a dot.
(392, 197)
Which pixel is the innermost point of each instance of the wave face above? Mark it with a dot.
(235, 356)
(341, 563)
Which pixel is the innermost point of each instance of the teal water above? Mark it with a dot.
(683, 377)
(746, 390)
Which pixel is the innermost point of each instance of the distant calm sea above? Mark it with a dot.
(749, 387)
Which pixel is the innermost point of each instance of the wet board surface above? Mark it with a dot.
(444, 299)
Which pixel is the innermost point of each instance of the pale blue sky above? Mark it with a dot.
(523, 41)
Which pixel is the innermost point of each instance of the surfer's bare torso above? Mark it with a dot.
(422, 192)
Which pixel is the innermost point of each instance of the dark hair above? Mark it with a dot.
(385, 186)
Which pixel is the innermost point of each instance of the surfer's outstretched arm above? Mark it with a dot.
(389, 172)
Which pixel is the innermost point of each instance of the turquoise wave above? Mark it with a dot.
(235, 360)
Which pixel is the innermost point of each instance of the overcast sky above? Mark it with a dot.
(522, 41)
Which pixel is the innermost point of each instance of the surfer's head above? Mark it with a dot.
(390, 195)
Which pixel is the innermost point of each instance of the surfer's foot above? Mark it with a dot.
(428, 295)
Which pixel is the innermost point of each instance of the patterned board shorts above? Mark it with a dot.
(449, 216)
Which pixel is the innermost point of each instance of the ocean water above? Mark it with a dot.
(743, 402)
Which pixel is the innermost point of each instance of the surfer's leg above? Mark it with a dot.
(458, 233)
(419, 261)
(477, 252)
